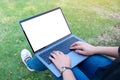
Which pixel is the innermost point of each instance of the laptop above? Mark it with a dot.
(48, 32)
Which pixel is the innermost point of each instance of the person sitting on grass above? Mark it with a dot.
(96, 67)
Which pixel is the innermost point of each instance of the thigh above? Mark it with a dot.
(79, 75)
(91, 64)
(36, 64)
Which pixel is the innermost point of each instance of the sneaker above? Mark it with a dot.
(25, 56)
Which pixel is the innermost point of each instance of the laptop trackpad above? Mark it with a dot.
(76, 58)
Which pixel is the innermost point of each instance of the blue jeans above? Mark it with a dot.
(83, 71)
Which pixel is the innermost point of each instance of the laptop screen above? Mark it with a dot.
(44, 29)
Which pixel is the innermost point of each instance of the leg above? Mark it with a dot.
(31, 63)
(90, 65)
(79, 75)
(35, 64)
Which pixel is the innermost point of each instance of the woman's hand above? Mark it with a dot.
(60, 59)
(83, 48)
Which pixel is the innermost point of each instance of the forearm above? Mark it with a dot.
(110, 51)
(68, 75)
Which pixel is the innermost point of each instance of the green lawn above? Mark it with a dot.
(95, 21)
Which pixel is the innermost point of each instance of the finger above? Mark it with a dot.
(80, 52)
(75, 43)
(52, 59)
(58, 52)
(61, 53)
(78, 43)
(53, 54)
(76, 47)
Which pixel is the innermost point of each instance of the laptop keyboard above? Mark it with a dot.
(64, 47)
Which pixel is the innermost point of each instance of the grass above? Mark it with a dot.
(88, 19)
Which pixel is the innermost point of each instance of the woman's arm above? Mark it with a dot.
(61, 60)
(110, 51)
(87, 49)
(68, 75)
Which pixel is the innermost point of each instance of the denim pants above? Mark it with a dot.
(83, 71)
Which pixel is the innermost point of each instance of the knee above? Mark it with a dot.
(35, 64)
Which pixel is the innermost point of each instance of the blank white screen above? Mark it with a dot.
(45, 29)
